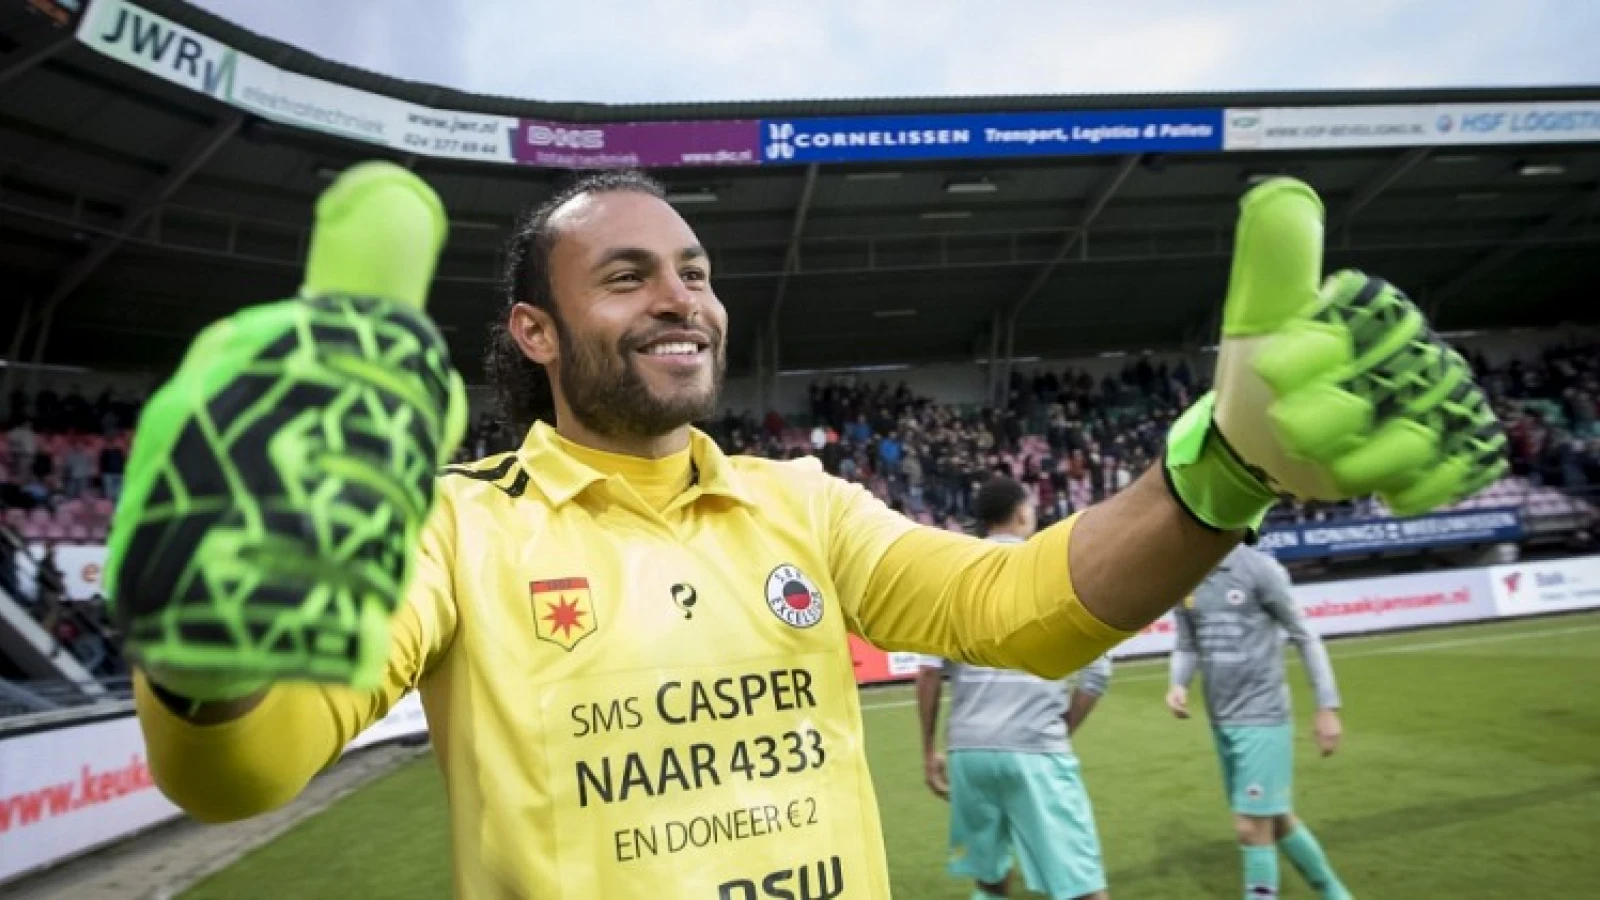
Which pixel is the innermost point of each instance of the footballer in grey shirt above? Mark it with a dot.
(1011, 777)
(1231, 630)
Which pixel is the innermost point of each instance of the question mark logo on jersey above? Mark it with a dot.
(684, 597)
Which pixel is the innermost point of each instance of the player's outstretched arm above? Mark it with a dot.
(1277, 598)
(276, 494)
(1182, 664)
(1325, 390)
(1093, 682)
(930, 683)
(230, 761)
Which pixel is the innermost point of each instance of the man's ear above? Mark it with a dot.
(534, 330)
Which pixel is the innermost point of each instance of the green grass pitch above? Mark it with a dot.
(1470, 769)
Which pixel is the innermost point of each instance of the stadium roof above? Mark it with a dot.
(149, 210)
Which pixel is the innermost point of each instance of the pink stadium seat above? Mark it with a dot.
(54, 531)
(16, 518)
(78, 533)
(31, 531)
(101, 508)
(98, 533)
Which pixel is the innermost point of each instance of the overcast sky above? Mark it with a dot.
(686, 50)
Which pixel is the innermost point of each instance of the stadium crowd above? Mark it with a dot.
(1071, 438)
(1074, 440)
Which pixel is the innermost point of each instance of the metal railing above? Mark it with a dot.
(26, 704)
(43, 595)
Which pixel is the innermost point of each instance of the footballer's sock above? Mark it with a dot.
(1301, 846)
(1260, 872)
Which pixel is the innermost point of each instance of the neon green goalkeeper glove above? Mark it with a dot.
(1327, 393)
(278, 481)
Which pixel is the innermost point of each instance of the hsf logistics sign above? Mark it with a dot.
(1334, 127)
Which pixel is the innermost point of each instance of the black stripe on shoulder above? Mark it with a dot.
(494, 474)
(518, 486)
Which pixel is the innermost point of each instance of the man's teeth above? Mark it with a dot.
(684, 348)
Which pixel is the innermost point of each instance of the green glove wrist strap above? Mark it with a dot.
(1208, 479)
(207, 687)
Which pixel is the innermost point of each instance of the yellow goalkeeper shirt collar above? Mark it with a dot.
(561, 470)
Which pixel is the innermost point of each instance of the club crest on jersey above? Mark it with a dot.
(563, 611)
(793, 598)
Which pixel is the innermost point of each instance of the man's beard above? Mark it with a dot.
(605, 391)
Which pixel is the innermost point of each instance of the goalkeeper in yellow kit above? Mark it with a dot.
(286, 564)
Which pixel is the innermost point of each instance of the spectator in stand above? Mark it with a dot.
(76, 414)
(37, 494)
(860, 432)
(24, 443)
(47, 411)
(113, 461)
(911, 472)
(1073, 439)
(79, 467)
(890, 453)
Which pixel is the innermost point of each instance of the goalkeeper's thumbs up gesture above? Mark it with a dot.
(1325, 393)
(278, 482)
(1325, 390)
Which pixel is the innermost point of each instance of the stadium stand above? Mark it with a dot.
(1072, 439)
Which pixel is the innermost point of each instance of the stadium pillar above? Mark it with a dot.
(1096, 204)
(23, 63)
(1008, 352)
(763, 388)
(103, 247)
(1377, 184)
(14, 354)
(774, 360)
(991, 375)
(26, 60)
(791, 255)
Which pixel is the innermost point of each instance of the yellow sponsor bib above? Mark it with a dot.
(734, 781)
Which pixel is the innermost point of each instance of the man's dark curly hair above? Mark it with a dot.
(521, 387)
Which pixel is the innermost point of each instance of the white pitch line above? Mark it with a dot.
(1334, 647)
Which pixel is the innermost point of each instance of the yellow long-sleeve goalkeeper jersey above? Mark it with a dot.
(638, 681)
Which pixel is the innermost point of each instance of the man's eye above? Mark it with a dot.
(625, 278)
(694, 275)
